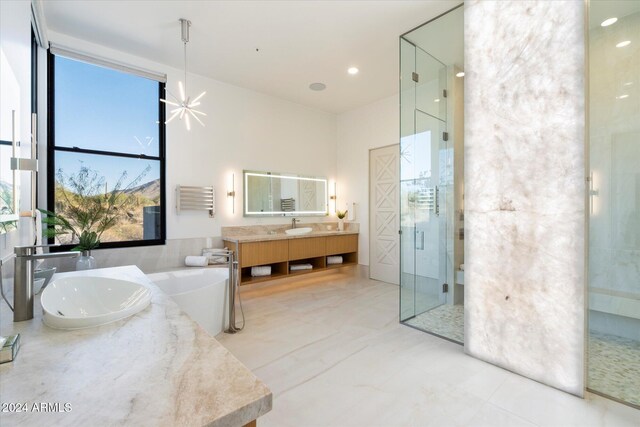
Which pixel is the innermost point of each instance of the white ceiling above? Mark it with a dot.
(442, 38)
(300, 41)
(601, 10)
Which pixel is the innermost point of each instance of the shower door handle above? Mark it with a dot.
(437, 202)
(419, 240)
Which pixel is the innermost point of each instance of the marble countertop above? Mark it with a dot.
(155, 368)
(283, 236)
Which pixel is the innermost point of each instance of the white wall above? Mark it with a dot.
(358, 131)
(244, 130)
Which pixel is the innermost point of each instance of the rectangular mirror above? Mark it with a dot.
(274, 194)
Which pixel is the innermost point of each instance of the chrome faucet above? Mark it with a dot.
(294, 221)
(23, 278)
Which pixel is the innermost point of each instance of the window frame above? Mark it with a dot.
(52, 149)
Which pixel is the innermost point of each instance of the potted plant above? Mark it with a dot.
(341, 216)
(87, 240)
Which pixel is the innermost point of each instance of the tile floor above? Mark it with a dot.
(614, 366)
(332, 351)
(445, 320)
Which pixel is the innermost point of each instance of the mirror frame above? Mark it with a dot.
(245, 198)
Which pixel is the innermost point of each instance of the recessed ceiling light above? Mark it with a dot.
(460, 74)
(436, 100)
(317, 86)
(622, 96)
(353, 71)
(608, 22)
(628, 84)
(624, 43)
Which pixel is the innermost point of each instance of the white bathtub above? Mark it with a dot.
(202, 293)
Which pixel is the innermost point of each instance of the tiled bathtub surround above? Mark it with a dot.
(149, 259)
(525, 188)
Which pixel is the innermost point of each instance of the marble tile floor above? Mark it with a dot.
(614, 366)
(445, 320)
(333, 353)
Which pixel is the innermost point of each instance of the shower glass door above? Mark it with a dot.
(423, 156)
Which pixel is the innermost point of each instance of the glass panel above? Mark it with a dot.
(614, 223)
(90, 99)
(407, 252)
(423, 247)
(85, 182)
(407, 210)
(432, 82)
(429, 214)
(407, 91)
(432, 291)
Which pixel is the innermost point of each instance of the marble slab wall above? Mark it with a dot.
(525, 188)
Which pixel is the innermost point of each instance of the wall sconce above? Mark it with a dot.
(334, 198)
(232, 193)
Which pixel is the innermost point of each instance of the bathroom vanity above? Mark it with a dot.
(280, 251)
(157, 367)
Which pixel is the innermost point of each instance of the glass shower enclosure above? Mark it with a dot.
(427, 203)
(423, 160)
(614, 201)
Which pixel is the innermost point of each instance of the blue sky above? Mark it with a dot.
(109, 167)
(102, 109)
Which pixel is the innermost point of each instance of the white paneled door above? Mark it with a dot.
(384, 193)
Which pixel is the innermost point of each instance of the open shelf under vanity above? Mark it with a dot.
(281, 254)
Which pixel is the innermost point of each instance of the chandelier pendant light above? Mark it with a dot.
(184, 106)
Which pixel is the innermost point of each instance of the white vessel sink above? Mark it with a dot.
(83, 302)
(298, 231)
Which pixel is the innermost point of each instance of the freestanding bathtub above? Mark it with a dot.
(202, 293)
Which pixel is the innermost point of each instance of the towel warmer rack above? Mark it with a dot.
(196, 199)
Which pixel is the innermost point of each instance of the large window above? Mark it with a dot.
(106, 153)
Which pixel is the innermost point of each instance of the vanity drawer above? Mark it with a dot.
(307, 248)
(260, 253)
(342, 244)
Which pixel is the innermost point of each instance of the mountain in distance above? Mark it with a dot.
(149, 190)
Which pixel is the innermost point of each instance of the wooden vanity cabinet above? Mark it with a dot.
(281, 254)
(307, 248)
(262, 253)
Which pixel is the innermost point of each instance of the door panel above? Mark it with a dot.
(384, 243)
(422, 204)
(430, 235)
